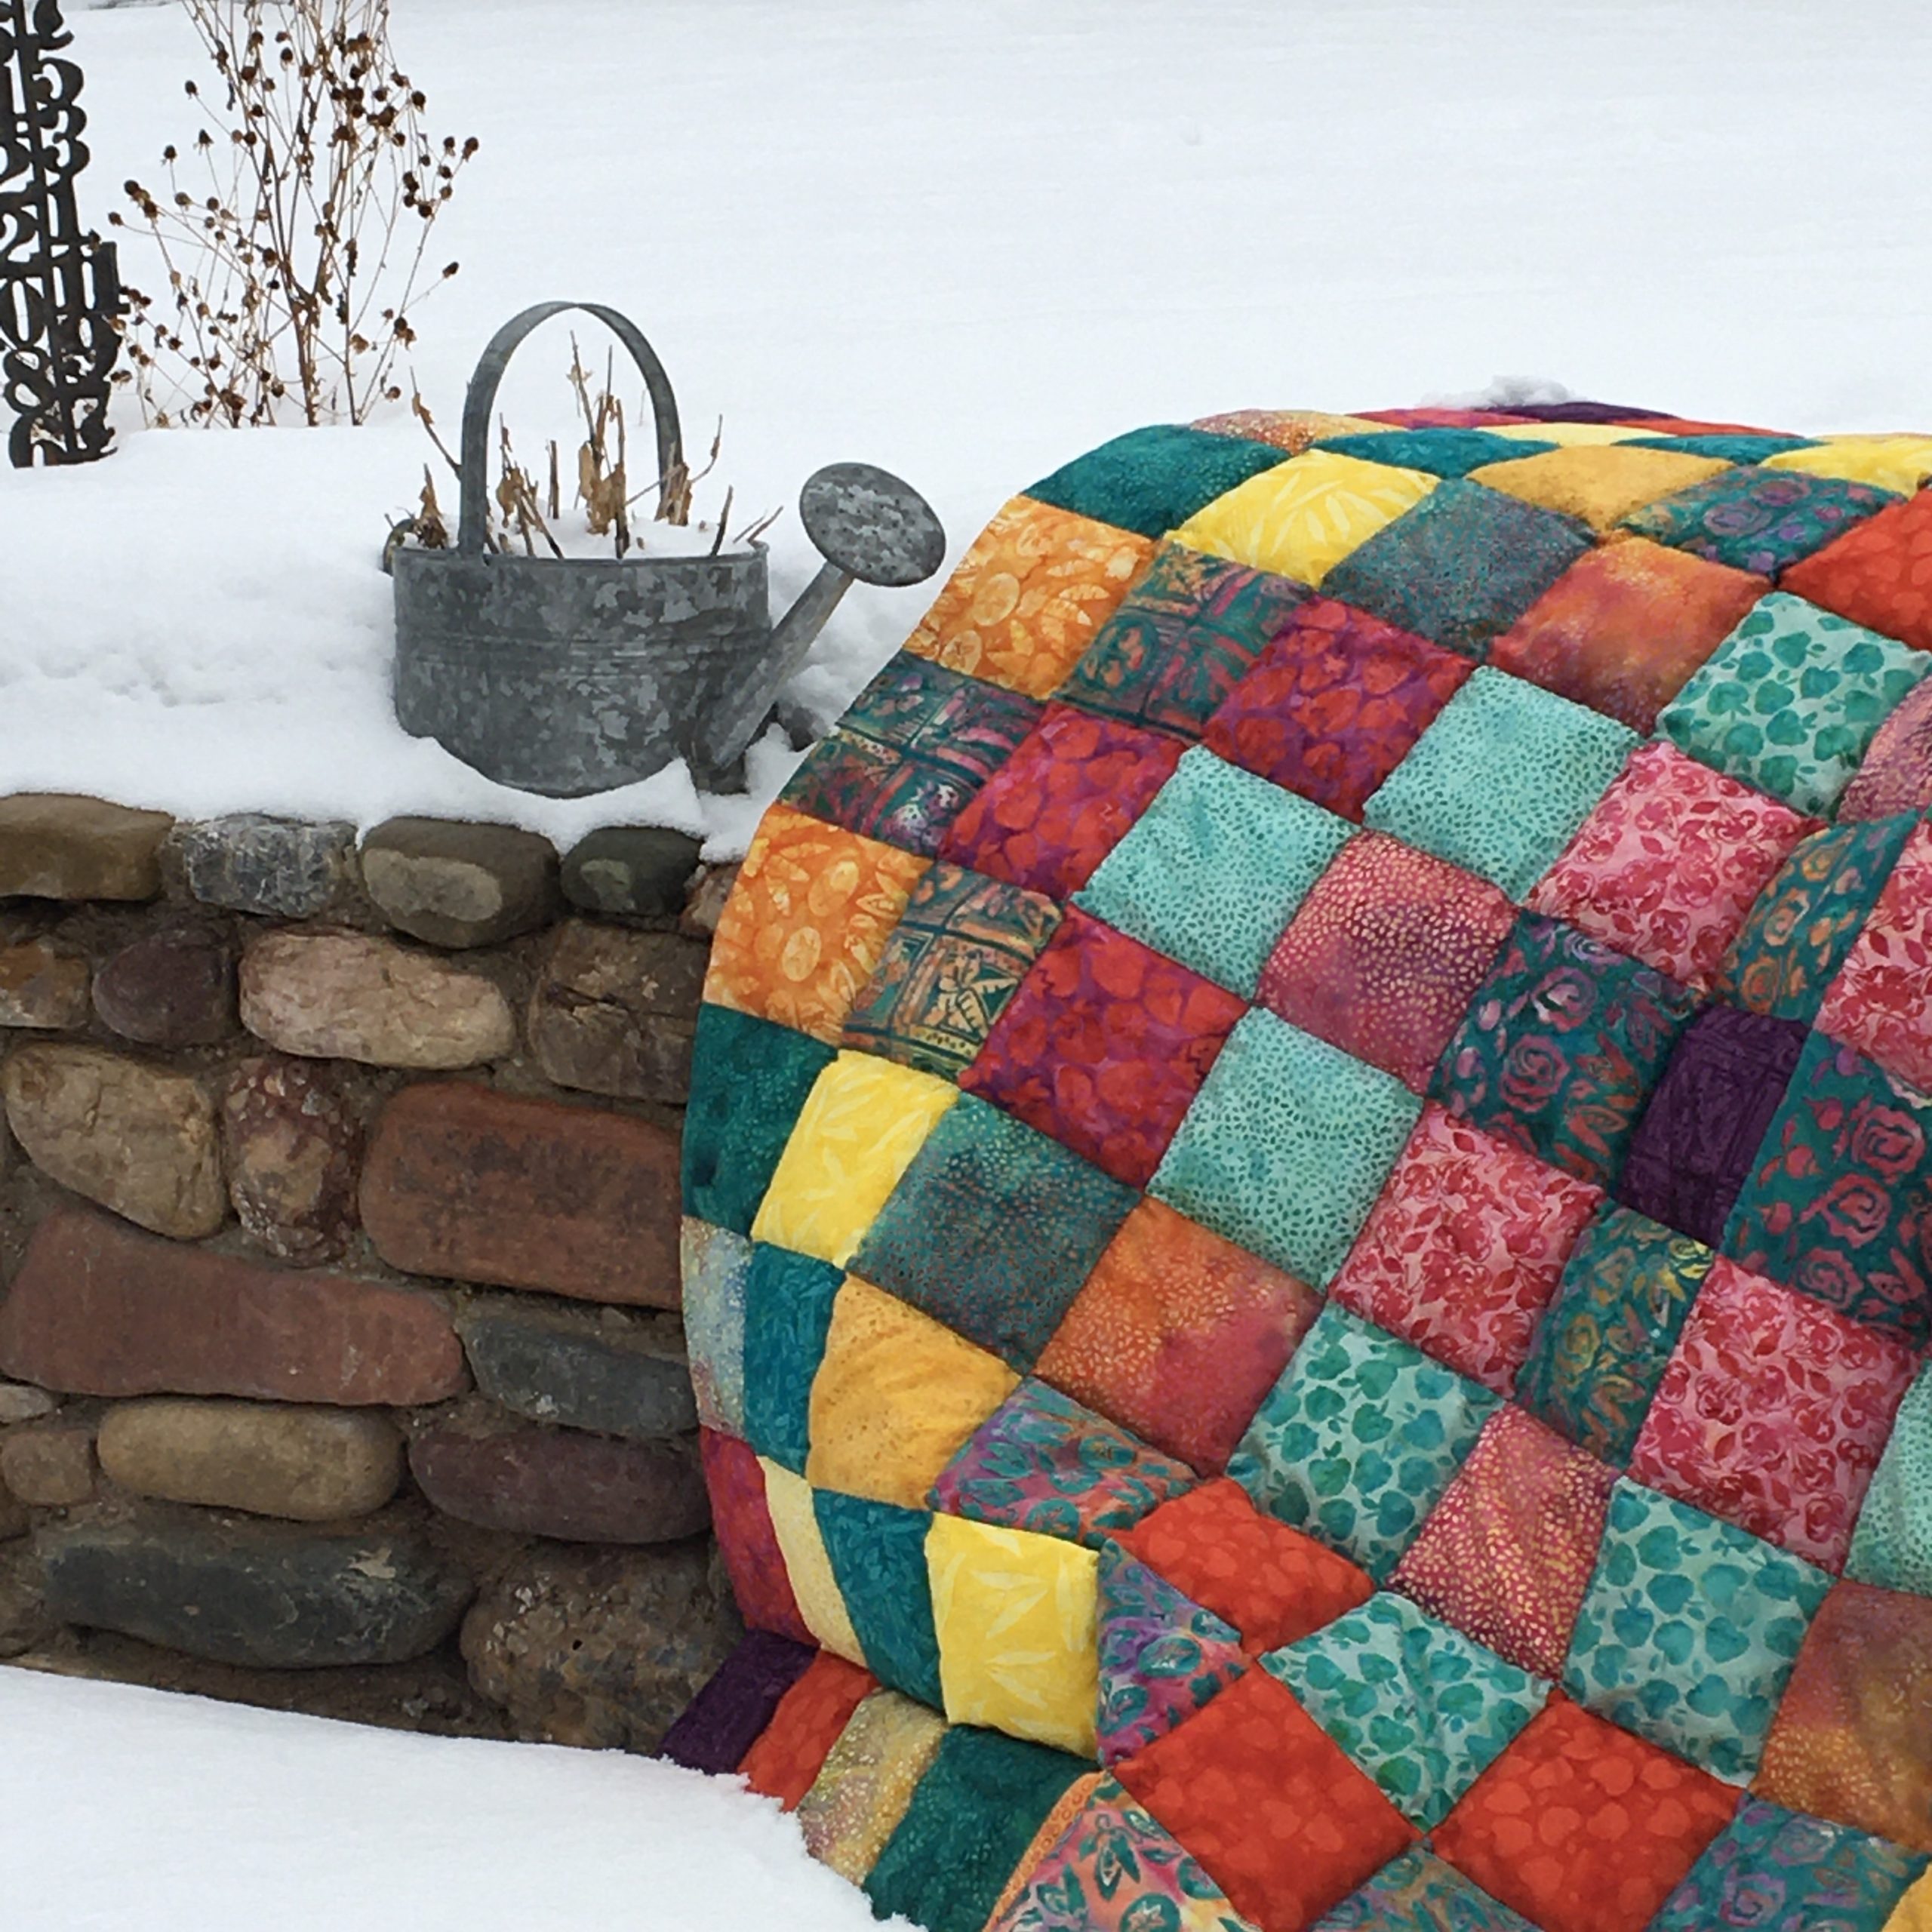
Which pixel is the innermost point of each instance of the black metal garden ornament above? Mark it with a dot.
(60, 291)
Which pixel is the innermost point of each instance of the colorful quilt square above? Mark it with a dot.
(735, 1704)
(788, 1311)
(1599, 487)
(1897, 773)
(715, 1264)
(1757, 519)
(1460, 567)
(1729, 446)
(1790, 948)
(807, 922)
(1017, 1616)
(1272, 1583)
(1421, 1708)
(877, 1553)
(1698, 1140)
(1464, 1248)
(866, 1782)
(1840, 1206)
(1669, 863)
(1162, 1656)
(1500, 781)
(742, 1524)
(1178, 1334)
(1562, 1046)
(1149, 480)
(1823, 1877)
(1622, 630)
(1441, 452)
(1384, 955)
(1789, 701)
(1850, 1741)
(1286, 1147)
(1418, 1893)
(915, 744)
(1028, 596)
(1215, 868)
(1582, 1827)
(1062, 801)
(1773, 1413)
(1188, 633)
(795, 1523)
(1104, 1047)
(1879, 574)
(787, 1757)
(1507, 1554)
(1892, 1546)
(1301, 518)
(1269, 1804)
(1611, 1329)
(856, 1133)
(1360, 1439)
(750, 1078)
(992, 1230)
(1690, 1629)
(1293, 430)
(960, 950)
(1333, 704)
(895, 1395)
(1881, 1001)
(1899, 462)
(1041, 1462)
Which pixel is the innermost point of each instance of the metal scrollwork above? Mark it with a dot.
(59, 289)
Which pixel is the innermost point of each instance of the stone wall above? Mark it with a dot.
(340, 1368)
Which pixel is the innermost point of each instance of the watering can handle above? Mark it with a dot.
(481, 402)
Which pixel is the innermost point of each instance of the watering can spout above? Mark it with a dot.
(871, 528)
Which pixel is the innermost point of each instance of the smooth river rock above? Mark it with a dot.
(41, 987)
(48, 1465)
(555, 1369)
(172, 989)
(456, 883)
(633, 871)
(615, 1011)
(291, 1141)
(53, 845)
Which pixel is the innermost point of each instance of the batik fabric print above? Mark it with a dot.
(960, 950)
(714, 1264)
(1441, 452)
(788, 1757)
(1053, 1828)
(1837, 1207)
(1560, 1047)
(807, 922)
(1582, 1827)
(1269, 1803)
(1293, 430)
(1879, 575)
(1118, 1869)
(1419, 1893)
(916, 744)
(1301, 518)
(746, 1541)
(1463, 565)
(1881, 1001)
(1850, 1741)
(992, 1229)
(1668, 866)
(1623, 630)
(1902, 463)
(1162, 1657)
(1897, 774)
(1599, 486)
(1695, 1146)
(1611, 1329)
(1892, 1546)
(1464, 1247)
(1214, 868)
(1507, 1555)
(866, 1782)
(1028, 596)
(795, 1522)
(1062, 802)
(1690, 1629)
(1333, 703)
(1790, 701)
(1759, 520)
(1421, 1708)
(1772, 1867)
(1042, 1463)
(1384, 955)
(1789, 949)
(1178, 1334)
(1189, 632)
(877, 1554)
(1773, 1414)
(1359, 1440)
(1729, 446)
(1499, 783)
(1149, 480)
(788, 1308)
(1286, 1147)
(1104, 1048)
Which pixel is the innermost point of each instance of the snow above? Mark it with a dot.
(120, 1807)
(967, 242)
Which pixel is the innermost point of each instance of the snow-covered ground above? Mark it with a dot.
(966, 239)
(124, 1809)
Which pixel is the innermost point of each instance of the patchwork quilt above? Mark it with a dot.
(1308, 1240)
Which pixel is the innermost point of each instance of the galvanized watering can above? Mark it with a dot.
(568, 676)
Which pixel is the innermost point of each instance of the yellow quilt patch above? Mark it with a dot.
(1602, 484)
(795, 1522)
(1902, 463)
